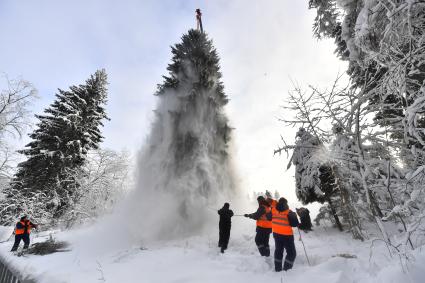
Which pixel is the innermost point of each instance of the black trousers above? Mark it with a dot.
(18, 238)
(262, 240)
(224, 236)
(284, 242)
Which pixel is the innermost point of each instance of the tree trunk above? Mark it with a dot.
(375, 204)
(333, 210)
(350, 214)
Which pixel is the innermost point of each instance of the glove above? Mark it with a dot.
(246, 215)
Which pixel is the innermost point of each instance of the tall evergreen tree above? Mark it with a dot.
(66, 132)
(194, 79)
(187, 153)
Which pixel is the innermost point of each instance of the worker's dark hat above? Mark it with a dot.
(261, 198)
(284, 200)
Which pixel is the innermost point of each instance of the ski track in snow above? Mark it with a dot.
(197, 259)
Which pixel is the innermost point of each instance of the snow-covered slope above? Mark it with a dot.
(197, 259)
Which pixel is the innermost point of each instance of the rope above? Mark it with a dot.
(215, 210)
(210, 208)
(301, 239)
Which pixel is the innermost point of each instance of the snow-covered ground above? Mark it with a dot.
(197, 259)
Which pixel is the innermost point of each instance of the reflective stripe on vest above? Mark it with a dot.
(280, 222)
(262, 221)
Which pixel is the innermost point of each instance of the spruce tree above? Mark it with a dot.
(63, 136)
(194, 79)
(326, 20)
(187, 153)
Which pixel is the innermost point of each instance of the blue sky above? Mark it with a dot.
(262, 45)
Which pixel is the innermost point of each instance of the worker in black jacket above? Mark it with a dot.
(224, 226)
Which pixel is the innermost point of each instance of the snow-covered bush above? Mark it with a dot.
(105, 181)
(16, 95)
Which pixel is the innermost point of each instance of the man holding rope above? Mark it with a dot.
(264, 226)
(224, 226)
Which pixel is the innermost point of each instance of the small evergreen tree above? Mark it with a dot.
(66, 132)
(306, 167)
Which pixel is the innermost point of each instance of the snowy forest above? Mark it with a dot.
(359, 149)
(349, 148)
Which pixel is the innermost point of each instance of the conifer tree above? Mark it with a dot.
(63, 136)
(194, 79)
(325, 22)
(187, 152)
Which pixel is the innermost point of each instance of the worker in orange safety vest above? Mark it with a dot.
(22, 232)
(283, 220)
(264, 226)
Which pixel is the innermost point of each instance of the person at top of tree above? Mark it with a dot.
(199, 20)
(22, 232)
(224, 226)
(264, 226)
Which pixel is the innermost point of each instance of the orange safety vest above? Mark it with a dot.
(273, 203)
(20, 231)
(262, 221)
(280, 222)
